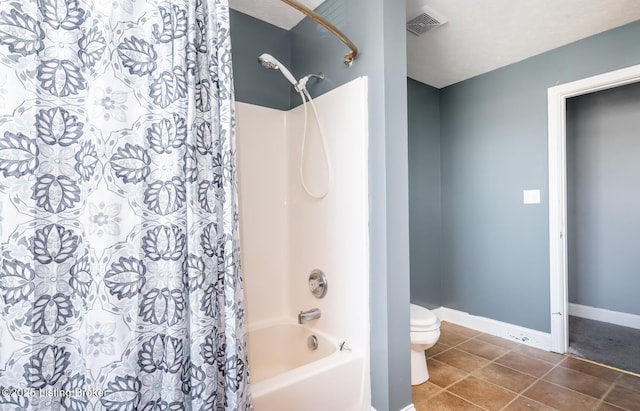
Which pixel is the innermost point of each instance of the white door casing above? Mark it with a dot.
(556, 98)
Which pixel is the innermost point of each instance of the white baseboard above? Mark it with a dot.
(607, 316)
(533, 338)
(409, 407)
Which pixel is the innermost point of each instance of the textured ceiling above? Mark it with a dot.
(481, 35)
(273, 11)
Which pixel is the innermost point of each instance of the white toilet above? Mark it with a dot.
(425, 331)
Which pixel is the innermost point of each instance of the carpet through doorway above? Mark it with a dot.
(605, 343)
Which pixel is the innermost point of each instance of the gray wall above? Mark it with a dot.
(425, 211)
(254, 84)
(603, 187)
(377, 27)
(494, 145)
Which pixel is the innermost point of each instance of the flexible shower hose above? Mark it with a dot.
(304, 94)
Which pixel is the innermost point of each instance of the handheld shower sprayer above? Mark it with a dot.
(268, 61)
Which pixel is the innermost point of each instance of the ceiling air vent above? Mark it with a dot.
(425, 20)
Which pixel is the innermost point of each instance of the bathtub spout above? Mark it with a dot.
(306, 316)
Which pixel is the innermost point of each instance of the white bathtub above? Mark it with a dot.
(286, 375)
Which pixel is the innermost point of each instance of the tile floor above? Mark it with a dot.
(470, 370)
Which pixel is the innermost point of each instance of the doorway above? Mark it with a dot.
(557, 115)
(603, 222)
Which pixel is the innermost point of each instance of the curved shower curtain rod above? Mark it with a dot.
(348, 58)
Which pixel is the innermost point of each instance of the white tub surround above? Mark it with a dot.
(262, 192)
(286, 234)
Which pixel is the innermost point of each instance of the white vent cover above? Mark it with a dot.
(425, 20)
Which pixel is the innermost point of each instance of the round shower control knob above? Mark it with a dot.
(318, 283)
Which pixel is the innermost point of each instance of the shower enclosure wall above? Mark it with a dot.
(285, 234)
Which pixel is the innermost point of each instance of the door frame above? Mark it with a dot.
(557, 117)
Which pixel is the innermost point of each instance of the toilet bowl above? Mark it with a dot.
(425, 331)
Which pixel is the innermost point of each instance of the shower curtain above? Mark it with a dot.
(120, 282)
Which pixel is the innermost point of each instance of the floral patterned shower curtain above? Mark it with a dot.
(120, 283)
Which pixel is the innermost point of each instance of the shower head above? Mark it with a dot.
(270, 62)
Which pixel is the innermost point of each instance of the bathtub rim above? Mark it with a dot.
(336, 358)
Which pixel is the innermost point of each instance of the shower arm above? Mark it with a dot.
(348, 58)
